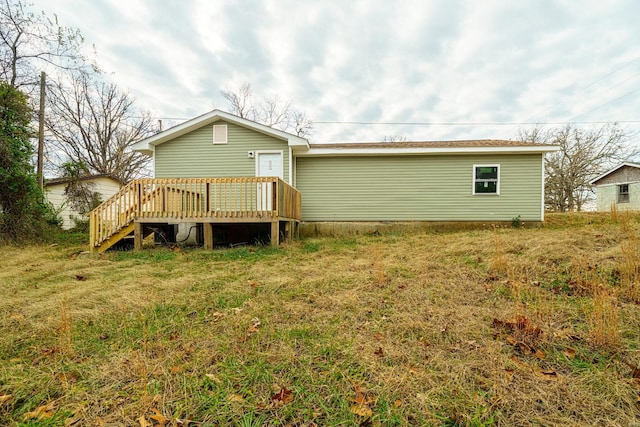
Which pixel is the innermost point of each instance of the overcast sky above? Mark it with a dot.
(375, 61)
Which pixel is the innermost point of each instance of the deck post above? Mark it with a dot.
(292, 231)
(275, 233)
(207, 198)
(207, 231)
(137, 236)
(93, 223)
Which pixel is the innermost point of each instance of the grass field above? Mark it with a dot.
(494, 326)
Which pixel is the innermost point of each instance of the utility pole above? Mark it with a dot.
(41, 133)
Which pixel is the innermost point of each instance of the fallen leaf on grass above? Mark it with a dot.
(363, 401)
(540, 355)
(549, 373)
(5, 398)
(569, 353)
(214, 378)
(217, 315)
(253, 328)
(143, 422)
(378, 336)
(67, 378)
(177, 369)
(362, 410)
(524, 348)
(520, 324)
(282, 397)
(519, 362)
(397, 403)
(159, 418)
(379, 352)
(41, 412)
(235, 398)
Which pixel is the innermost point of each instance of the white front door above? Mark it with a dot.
(268, 164)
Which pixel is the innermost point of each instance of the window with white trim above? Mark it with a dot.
(219, 134)
(623, 193)
(486, 179)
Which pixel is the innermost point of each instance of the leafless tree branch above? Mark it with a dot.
(93, 123)
(583, 155)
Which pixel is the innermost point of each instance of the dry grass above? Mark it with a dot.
(604, 320)
(415, 329)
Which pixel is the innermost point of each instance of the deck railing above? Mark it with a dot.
(227, 199)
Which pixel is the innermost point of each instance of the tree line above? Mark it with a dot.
(91, 124)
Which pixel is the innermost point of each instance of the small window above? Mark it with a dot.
(219, 134)
(486, 179)
(623, 193)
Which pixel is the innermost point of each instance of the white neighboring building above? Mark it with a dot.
(54, 193)
(619, 187)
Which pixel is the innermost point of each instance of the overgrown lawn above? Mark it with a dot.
(494, 326)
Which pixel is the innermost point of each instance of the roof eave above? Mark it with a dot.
(609, 172)
(145, 146)
(423, 150)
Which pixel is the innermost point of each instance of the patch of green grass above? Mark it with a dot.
(310, 247)
(71, 238)
(156, 254)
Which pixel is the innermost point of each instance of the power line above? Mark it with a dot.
(472, 123)
(566, 110)
(610, 102)
(586, 87)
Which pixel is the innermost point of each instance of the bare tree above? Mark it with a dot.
(29, 40)
(94, 124)
(272, 112)
(240, 101)
(583, 155)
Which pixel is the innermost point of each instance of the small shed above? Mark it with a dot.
(619, 188)
(55, 193)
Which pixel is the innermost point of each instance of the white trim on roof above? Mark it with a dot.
(146, 144)
(630, 164)
(424, 150)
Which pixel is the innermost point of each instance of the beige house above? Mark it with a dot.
(54, 192)
(619, 188)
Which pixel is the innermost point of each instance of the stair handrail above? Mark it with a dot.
(109, 217)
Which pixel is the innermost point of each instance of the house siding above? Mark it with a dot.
(55, 195)
(417, 188)
(608, 197)
(195, 156)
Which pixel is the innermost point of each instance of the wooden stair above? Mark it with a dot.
(116, 237)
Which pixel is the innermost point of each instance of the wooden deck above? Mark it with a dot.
(194, 200)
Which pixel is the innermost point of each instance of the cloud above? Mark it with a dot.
(369, 60)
